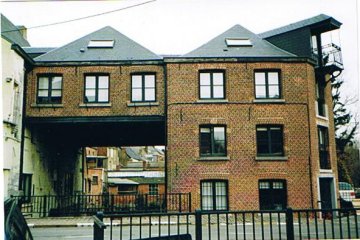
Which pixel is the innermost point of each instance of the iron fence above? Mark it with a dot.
(80, 204)
(284, 224)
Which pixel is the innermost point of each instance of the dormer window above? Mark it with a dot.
(101, 44)
(238, 42)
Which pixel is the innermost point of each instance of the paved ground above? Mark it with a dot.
(60, 221)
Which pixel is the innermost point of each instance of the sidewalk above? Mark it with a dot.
(84, 221)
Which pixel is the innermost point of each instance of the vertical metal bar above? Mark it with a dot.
(316, 225)
(340, 225)
(236, 228)
(179, 202)
(130, 227)
(253, 223)
(209, 226)
(218, 226)
(324, 225)
(140, 226)
(198, 225)
(332, 223)
(348, 224)
(111, 228)
(299, 221)
(262, 226)
(149, 226)
(307, 224)
(243, 223)
(187, 223)
(271, 228)
(159, 226)
(169, 225)
(227, 226)
(289, 224)
(121, 227)
(178, 224)
(279, 225)
(356, 224)
(189, 202)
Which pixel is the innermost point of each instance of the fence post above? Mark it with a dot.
(289, 224)
(112, 203)
(198, 225)
(44, 205)
(99, 230)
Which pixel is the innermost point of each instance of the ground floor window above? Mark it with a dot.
(214, 195)
(272, 194)
(26, 186)
(153, 189)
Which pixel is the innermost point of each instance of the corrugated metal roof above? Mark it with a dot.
(297, 25)
(11, 33)
(136, 174)
(122, 181)
(124, 49)
(217, 47)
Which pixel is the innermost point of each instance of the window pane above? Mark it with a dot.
(103, 95)
(278, 185)
(150, 94)
(56, 82)
(260, 92)
(218, 79)
(90, 82)
(204, 79)
(264, 185)
(221, 203)
(219, 133)
(90, 95)
(56, 93)
(219, 92)
(103, 82)
(136, 81)
(205, 130)
(207, 196)
(204, 92)
(136, 95)
(150, 81)
(273, 78)
(205, 143)
(43, 83)
(260, 78)
(43, 93)
(274, 92)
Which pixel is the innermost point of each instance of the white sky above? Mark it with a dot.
(179, 26)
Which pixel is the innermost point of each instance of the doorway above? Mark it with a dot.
(326, 192)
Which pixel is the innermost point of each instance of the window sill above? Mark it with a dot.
(215, 158)
(47, 105)
(271, 158)
(212, 101)
(95, 105)
(322, 117)
(142, 104)
(269, 100)
(326, 170)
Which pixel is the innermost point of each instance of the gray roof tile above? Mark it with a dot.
(124, 49)
(297, 25)
(11, 33)
(217, 46)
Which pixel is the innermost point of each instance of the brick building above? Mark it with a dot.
(244, 117)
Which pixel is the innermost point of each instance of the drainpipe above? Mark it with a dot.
(22, 143)
(166, 129)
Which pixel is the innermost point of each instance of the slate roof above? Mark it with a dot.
(124, 49)
(217, 46)
(11, 33)
(297, 25)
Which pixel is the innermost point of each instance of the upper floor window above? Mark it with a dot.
(269, 140)
(324, 148)
(320, 98)
(267, 84)
(212, 84)
(49, 89)
(96, 88)
(212, 141)
(143, 87)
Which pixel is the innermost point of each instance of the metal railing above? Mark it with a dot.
(285, 224)
(15, 224)
(79, 204)
(331, 56)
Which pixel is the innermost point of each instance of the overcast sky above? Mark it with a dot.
(179, 26)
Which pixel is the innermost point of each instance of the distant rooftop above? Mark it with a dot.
(12, 33)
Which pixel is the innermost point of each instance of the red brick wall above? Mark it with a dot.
(73, 91)
(241, 115)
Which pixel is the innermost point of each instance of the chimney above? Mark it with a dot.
(23, 30)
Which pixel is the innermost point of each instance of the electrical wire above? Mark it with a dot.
(82, 18)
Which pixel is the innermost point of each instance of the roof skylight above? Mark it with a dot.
(101, 44)
(238, 42)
